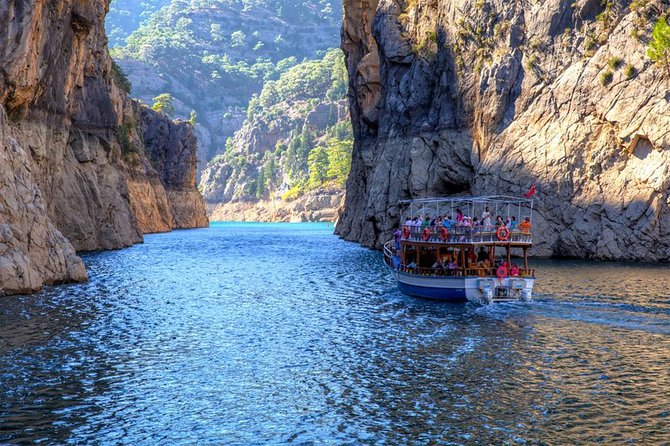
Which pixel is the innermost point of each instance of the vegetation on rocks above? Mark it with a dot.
(125, 16)
(659, 46)
(297, 138)
(212, 56)
(163, 104)
(120, 78)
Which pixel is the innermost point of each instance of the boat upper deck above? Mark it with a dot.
(490, 220)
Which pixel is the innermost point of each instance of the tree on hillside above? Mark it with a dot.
(339, 160)
(238, 38)
(193, 118)
(120, 78)
(318, 167)
(260, 184)
(163, 104)
(659, 46)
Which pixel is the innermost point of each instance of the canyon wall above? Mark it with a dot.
(83, 167)
(488, 97)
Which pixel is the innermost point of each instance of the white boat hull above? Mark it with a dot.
(481, 290)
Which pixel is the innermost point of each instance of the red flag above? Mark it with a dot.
(530, 192)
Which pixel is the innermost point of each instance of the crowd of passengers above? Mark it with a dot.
(447, 262)
(462, 224)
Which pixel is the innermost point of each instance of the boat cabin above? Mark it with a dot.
(464, 236)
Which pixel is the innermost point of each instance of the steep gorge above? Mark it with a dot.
(83, 167)
(490, 96)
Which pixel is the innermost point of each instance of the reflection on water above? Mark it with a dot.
(245, 333)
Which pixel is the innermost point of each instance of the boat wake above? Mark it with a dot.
(621, 315)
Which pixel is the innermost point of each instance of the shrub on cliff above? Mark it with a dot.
(606, 78)
(120, 78)
(659, 46)
(163, 104)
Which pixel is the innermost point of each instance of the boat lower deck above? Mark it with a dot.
(482, 290)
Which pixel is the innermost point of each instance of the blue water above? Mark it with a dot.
(284, 334)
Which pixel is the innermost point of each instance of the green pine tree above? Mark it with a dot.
(659, 46)
(318, 167)
(163, 104)
(260, 184)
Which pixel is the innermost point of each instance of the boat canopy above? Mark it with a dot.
(503, 205)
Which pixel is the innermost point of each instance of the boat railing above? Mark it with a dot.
(470, 272)
(389, 254)
(459, 234)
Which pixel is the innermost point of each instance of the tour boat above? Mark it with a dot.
(458, 252)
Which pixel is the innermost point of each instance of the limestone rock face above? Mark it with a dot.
(490, 97)
(319, 205)
(76, 174)
(172, 147)
(32, 251)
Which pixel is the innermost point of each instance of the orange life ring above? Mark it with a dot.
(502, 233)
(444, 234)
(426, 235)
(501, 272)
(405, 232)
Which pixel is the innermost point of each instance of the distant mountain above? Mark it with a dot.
(213, 55)
(295, 142)
(125, 16)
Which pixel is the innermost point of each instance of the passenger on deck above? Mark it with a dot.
(438, 265)
(525, 225)
(513, 224)
(486, 218)
(453, 267)
(482, 255)
(398, 236)
(484, 267)
(466, 227)
(416, 225)
(476, 225)
(426, 223)
(499, 221)
(459, 216)
(411, 266)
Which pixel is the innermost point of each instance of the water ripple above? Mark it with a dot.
(276, 334)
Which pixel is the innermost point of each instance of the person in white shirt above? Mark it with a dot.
(486, 218)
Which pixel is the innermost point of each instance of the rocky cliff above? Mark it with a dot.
(491, 96)
(253, 180)
(76, 167)
(319, 205)
(290, 159)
